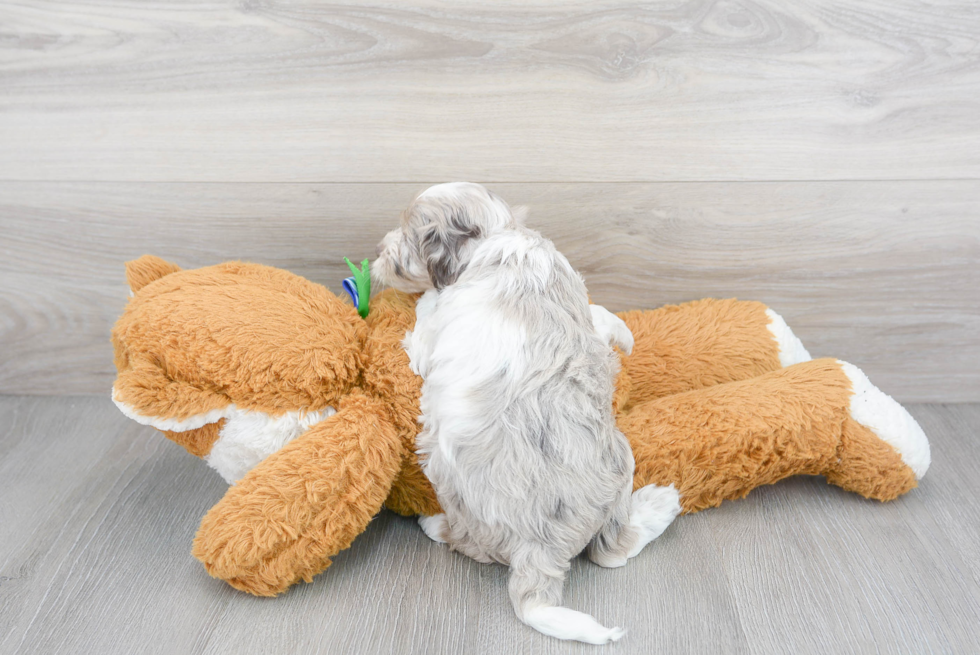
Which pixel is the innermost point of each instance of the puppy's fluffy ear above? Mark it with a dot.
(441, 246)
(520, 214)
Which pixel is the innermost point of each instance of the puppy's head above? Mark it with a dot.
(438, 234)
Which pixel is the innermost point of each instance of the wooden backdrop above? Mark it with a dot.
(821, 156)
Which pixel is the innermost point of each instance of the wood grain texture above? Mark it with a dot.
(544, 91)
(896, 577)
(885, 274)
(956, 449)
(98, 514)
(83, 570)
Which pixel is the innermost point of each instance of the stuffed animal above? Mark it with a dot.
(310, 412)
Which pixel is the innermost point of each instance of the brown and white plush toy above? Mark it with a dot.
(310, 412)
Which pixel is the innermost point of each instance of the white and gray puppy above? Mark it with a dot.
(519, 438)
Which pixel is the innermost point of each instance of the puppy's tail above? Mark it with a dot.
(535, 590)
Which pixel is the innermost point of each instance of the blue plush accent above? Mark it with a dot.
(350, 286)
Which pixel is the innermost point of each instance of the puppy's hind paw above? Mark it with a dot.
(435, 527)
(652, 509)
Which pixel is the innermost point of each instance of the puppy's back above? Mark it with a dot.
(520, 407)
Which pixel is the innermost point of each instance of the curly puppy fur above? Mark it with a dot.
(519, 438)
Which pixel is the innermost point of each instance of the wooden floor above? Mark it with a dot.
(98, 513)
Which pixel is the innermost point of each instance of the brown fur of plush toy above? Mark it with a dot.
(197, 442)
(284, 520)
(263, 339)
(695, 345)
(721, 442)
(702, 399)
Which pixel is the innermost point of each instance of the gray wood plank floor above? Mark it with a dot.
(97, 515)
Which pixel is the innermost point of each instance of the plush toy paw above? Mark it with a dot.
(891, 422)
(791, 350)
(303, 504)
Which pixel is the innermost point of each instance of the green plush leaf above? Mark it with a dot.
(362, 278)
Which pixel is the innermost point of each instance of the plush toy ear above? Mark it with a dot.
(302, 505)
(146, 269)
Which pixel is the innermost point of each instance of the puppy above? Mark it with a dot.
(518, 437)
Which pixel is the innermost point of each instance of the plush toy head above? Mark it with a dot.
(195, 349)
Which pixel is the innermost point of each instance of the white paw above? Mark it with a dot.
(791, 350)
(606, 560)
(652, 509)
(891, 422)
(611, 328)
(435, 527)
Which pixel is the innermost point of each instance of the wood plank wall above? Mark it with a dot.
(821, 156)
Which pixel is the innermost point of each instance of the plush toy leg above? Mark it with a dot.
(303, 504)
(877, 438)
(699, 344)
(869, 466)
(814, 418)
(412, 492)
